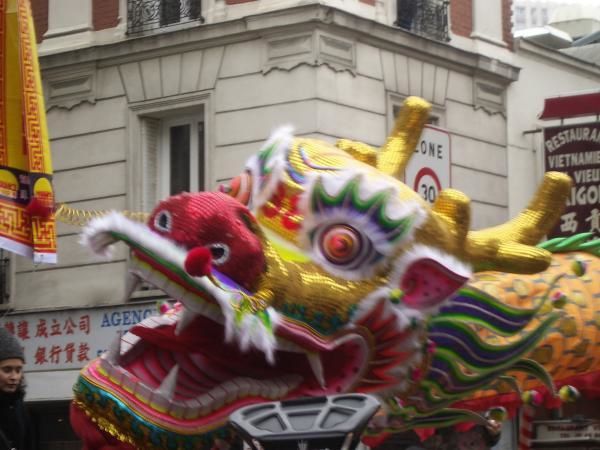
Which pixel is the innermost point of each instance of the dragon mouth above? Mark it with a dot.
(163, 379)
(187, 370)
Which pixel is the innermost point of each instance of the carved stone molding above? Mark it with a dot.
(313, 48)
(489, 96)
(175, 74)
(68, 87)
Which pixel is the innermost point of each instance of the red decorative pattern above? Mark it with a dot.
(284, 206)
(14, 223)
(44, 234)
(526, 427)
(386, 355)
(31, 98)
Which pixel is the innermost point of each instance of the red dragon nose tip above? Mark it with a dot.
(198, 262)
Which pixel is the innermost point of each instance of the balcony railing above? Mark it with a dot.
(428, 18)
(144, 15)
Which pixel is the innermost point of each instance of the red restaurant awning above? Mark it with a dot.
(565, 106)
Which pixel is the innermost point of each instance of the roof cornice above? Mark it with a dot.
(300, 18)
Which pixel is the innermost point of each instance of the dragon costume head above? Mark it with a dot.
(314, 272)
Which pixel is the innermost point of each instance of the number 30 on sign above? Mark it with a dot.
(427, 184)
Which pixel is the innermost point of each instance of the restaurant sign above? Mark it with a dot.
(575, 150)
(556, 431)
(68, 339)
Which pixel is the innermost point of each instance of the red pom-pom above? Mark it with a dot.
(39, 208)
(198, 262)
(553, 402)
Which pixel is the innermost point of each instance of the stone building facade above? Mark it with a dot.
(129, 83)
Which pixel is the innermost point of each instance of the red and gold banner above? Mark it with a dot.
(26, 196)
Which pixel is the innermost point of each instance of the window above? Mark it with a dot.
(182, 156)
(520, 17)
(425, 17)
(544, 16)
(175, 11)
(144, 15)
(534, 17)
(170, 142)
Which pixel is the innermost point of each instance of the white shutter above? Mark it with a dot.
(150, 162)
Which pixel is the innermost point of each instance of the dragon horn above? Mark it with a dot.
(511, 247)
(400, 145)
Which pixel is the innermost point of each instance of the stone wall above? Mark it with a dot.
(336, 76)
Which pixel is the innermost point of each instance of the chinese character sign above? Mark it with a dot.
(575, 150)
(69, 339)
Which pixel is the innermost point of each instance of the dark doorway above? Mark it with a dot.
(53, 427)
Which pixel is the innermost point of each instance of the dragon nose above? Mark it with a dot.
(198, 262)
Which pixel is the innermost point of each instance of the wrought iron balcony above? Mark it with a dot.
(144, 15)
(428, 18)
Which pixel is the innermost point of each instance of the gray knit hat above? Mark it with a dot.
(9, 346)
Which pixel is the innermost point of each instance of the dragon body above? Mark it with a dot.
(317, 272)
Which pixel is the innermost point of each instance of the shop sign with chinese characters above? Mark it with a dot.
(69, 339)
(575, 150)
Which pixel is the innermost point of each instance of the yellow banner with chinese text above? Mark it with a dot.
(26, 196)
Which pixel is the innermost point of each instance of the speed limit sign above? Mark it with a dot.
(428, 171)
(427, 184)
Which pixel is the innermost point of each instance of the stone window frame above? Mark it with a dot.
(145, 118)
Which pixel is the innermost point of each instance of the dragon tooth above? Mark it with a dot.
(275, 389)
(292, 381)
(104, 367)
(128, 341)
(204, 403)
(192, 409)
(185, 318)
(116, 375)
(159, 403)
(168, 385)
(282, 388)
(219, 396)
(143, 392)
(261, 387)
(231, 389)
(314, 359)
(254, 387)
(128, 384)
(243, 385)
(177, 410)
(132, 283)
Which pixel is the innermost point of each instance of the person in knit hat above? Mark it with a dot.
(16, 430)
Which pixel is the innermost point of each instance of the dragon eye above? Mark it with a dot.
(220, 253)
(341, 244)
(239, 188)
(163, 221)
